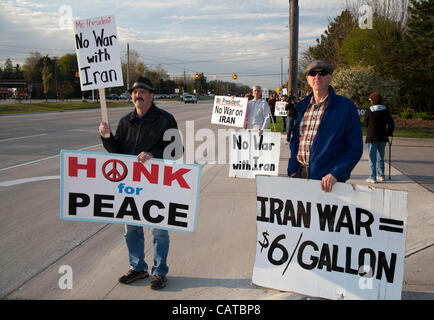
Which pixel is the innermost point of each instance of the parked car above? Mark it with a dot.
(123, 96)
(112, 96)
(190, 98)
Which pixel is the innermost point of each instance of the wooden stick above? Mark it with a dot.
(104, 113)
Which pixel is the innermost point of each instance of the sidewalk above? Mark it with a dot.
(216, 261)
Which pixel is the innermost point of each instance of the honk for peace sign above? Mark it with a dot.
(115, 188)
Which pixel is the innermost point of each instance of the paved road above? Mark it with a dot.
(414, 158)
(34, 242)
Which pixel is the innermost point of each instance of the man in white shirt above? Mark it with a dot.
(258, 112)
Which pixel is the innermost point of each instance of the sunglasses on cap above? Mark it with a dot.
(322, 73)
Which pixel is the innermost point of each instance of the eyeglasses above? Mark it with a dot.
(322, 73)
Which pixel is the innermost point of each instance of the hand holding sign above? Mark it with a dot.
(104, 129)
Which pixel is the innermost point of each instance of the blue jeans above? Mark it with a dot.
(135, 240)
(284, 123)
(289, 127)
(376, 159)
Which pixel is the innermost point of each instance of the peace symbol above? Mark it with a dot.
(111, 172)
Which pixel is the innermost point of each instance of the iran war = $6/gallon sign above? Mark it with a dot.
(327, 244)
(118, 189)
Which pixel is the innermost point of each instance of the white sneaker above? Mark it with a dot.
(370, 180)
(380, 179)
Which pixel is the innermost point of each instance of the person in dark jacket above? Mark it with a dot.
(291, 116)
(327, 138)
(141, 132)
(380, 126)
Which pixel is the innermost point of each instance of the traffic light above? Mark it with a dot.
(196, 75)
(234, 76)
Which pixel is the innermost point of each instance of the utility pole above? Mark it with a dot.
(183, 88)
(128, 71)
(281, 72)
(293, 47)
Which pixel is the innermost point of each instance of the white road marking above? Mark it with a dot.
(43, 159)
(27, 180)
(17, 138)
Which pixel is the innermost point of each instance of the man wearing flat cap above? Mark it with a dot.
(140, 133)
(327, 138)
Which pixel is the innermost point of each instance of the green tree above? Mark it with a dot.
(46, 76)
(380, 47)
(68, 83)
(8, 70)
(418, 84)
(328, 47)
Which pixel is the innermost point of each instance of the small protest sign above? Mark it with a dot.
(344, 244)
(229, 111)
(251, 154)
(98, 55)
(114, 188)
(279, 109)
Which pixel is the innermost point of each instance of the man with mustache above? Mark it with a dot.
(140, 133)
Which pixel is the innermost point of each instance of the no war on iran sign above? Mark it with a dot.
(345, 244)
(229, 111)
(115, 188)
(98, 55)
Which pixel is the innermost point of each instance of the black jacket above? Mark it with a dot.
(133, 137)
(292, 112)
(380, 125)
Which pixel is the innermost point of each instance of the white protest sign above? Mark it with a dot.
(114, 188)
(229, 111)
(98, 55)
(265, 93)
(345, 244)
(279, 109)
(251, 155)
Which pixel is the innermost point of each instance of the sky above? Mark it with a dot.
(215, 37)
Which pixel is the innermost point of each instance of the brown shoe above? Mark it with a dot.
(133, 275)
(158, 281)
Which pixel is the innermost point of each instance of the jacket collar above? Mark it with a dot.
(303, 104)
(150, 115)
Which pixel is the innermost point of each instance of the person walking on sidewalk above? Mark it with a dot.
(380, 127)
(140, 133)
(258, 112)
(327, 138)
